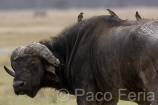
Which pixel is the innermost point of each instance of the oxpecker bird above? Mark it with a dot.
(112, 13)
(138, 17)
(80, 16)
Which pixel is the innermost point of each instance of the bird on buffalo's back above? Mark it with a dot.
(112, 13)
(138, 17)
(80, 16)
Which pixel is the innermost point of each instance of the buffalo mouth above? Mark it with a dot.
(30, 94)
(22, 88)
(20, 93)
(23, 91)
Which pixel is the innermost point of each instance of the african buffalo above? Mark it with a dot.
(102, 54)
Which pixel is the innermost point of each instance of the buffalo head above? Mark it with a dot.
(31, 64)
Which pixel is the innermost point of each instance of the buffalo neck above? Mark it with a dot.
(64, 47)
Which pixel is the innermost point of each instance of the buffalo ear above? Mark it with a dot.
(50, 69)
(51, 73)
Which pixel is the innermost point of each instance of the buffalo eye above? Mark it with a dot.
(33, 69)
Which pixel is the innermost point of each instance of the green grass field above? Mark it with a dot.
(19, 28)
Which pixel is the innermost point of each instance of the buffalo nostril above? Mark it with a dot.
(18, 84)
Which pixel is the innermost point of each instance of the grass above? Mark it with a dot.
(19, 28)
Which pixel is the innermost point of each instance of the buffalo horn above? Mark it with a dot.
(42, 51)
(18, 51)
(9, 71)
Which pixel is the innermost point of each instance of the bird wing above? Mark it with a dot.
(114, 13)
(139, 16)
